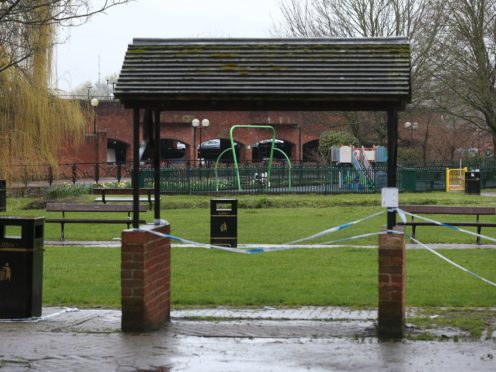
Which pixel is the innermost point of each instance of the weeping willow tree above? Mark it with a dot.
(34, 123)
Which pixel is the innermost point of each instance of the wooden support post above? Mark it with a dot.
(156, 166)
(136, 166)
(392, 124)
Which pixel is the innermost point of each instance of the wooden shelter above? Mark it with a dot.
(262, 74)
(318, 74)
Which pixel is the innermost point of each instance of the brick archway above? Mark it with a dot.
(310, 151)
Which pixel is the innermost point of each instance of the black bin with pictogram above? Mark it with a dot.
(472, 182)
(224, 222)
(21, 266)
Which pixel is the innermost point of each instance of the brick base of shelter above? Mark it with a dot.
(145, 278)
(392, 283)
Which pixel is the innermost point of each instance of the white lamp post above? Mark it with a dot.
(411, 126)
(195, 123)
(204, 124)
(94, 103)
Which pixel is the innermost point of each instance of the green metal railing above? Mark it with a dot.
(325, 179)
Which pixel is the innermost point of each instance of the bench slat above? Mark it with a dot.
(111, 199)
(125, 191)
(447, 209)
(75, 207)
(89, 220)
(104, 192)
(474, 224)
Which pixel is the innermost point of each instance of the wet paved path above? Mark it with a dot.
(267, 339)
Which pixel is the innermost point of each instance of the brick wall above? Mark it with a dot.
(145, 279)
(297, 128)
(391, 285)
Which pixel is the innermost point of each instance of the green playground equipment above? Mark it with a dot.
(289, 167)
(236, 166)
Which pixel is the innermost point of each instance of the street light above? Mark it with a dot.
(411, 126)
(197, 124)
(204, 124)
(94, 103)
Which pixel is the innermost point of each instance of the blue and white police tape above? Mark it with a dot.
(363, 236)
(402, 214)
(257, 250)
(286, 247)
(334, 229)
(204, 245)
(262, 249)
(453, 263)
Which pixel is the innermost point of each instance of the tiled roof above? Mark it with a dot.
(286, 74)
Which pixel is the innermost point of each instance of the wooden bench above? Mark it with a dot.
(449, 210)
(73, 207)
(149, 192)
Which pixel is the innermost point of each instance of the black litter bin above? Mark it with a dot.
(3, 196)
(224, 222)
(21, 266)
(472, 182)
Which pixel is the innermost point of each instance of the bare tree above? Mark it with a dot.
(416, 19)
(452, 139)
(368, 127)
(464, 63)
(97, 89)
(351, 18)
(20, 18)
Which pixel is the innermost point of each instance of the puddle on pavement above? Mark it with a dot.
(92, 340)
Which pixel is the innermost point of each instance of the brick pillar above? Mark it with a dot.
(242, 154)
(145, 278)
(191, 153)
(392, 294)
(295, 153)
(249, 154)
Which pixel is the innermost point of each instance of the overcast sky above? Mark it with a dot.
(106, 36)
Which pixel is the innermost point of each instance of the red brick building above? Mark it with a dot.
(434, 136)
(298, 134)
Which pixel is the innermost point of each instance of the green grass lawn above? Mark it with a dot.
(347, 276)
(271, 225)
(274, 219)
